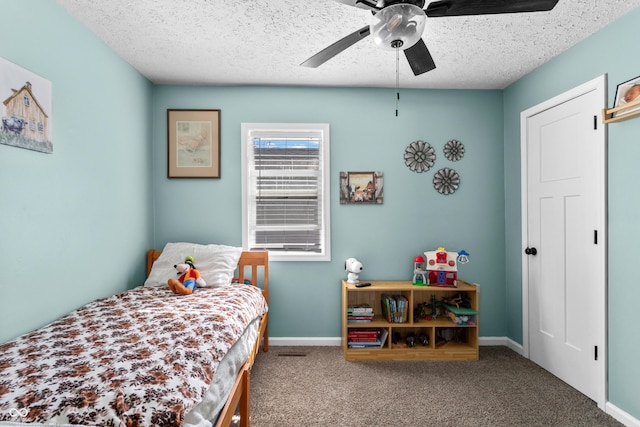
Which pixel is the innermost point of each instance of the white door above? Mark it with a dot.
(564, 237)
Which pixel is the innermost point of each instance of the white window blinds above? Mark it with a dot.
(286, 199)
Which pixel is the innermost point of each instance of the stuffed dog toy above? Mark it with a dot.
(188, 280)
(352, 266)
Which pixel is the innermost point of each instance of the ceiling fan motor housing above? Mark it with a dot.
(398, 26)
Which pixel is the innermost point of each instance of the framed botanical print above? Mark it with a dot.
(193, 140)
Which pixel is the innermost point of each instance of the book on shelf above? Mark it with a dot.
(364, 339)
(363, 332)
(371, 342)
(360, 318)
(395, 308)
(364, 345)
(360, 308)
(359, 313)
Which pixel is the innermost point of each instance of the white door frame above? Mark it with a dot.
(598, 84)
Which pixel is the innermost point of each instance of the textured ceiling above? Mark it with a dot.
(262, 42)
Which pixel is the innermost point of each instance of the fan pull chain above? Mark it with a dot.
(397, 79)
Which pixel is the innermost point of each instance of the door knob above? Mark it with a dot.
(531, 251)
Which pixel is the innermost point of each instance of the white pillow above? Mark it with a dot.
(216, 263)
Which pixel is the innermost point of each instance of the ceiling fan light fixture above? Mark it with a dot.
(398, 26)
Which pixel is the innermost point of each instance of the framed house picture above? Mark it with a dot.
(193, 140)
(361, 188)
(627, 92)
(26, 110)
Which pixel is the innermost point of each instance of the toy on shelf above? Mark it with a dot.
(419, 271)
(434, 308)
(442, 266)
(463, 257)
(353, 267)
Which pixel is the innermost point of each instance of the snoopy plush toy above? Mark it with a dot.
(352, 266)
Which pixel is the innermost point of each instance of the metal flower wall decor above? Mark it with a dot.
(446, 181)
(419, 156)
(454, 150)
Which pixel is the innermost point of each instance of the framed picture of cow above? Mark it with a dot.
(361, 188)
(25, 113)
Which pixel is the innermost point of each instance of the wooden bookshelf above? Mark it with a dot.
(463, 338)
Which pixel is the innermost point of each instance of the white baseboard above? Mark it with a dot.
(620, 415)
(504, 341)
(492, 341)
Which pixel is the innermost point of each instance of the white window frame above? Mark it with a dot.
(248, 181)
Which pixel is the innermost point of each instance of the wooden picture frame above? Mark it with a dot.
(361, 188)
(627, 92)
(193, 143)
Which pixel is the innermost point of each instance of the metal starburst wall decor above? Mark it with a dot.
(419, 156)
(454, 150)
(446, 181)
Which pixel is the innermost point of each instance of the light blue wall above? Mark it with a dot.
(74, 224)
(365, 136)
(604, 52)
(87, 209)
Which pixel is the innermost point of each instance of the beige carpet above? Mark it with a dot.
(315, 386)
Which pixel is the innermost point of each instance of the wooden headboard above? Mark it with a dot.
(248, 260)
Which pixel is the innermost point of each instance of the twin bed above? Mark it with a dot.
(147, 357)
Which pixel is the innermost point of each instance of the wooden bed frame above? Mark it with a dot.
(240, 393)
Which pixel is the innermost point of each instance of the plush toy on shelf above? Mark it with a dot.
(352, 266)
(188, 280)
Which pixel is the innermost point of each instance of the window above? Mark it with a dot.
(27, 100)
(285, 190)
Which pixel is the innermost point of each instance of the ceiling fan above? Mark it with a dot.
(399, 24)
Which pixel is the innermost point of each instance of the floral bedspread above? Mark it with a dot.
(140, 358)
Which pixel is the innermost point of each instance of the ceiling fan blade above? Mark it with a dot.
(419, 58)
(362, 4)
(486, 7)
(329, 52)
